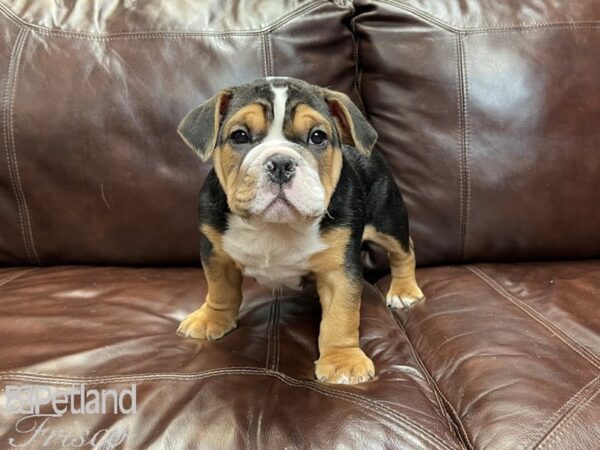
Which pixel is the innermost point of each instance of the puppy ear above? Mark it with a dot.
(353, 127)
(200, 127)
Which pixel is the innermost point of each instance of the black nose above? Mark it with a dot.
(280, 168)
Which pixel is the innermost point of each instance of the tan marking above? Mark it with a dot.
(329, 161)
(226, 163)
(252, 116)
(217, 316)
(341, 360)
(343, 120)
(334, 256)
(305, 119)
(213, 235)
(220, 105)
(402, 264)
(330, 170)
(344, 366)
(239, 188)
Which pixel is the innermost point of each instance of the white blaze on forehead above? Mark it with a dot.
(277, 78)
(274, 140)
(305, 192)
(279, 100)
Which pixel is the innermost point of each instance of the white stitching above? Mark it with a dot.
(263, 48)
(567, 422)
(5, 123)
(276, 333)
(463, 123)
(7, 115)
(534, 27)
(540, 429)
(269, 53)
(467, 151)
(435, 20)
(453, 419)
(269, 328)
(19, 184)
(356, 399)
(276, 25)
(553, 329)
(461, 133)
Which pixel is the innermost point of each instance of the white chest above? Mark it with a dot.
(276, 255)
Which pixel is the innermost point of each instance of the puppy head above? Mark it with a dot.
(276, 145)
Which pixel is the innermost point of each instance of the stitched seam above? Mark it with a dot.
(269, 54)
(554, 330)
(7, 141)
(429, 18)
(435, 20)
(251, 34)
(19, 184)
(461, 133)
(356, 399)
(426, 373)
(263, 49)
(276, 335)
(269, 332)
(358, 72)
(451, 417)
(357, 64)
(464, 133)
(277, 24)
(535, 27)
(466, 150)
(171, 36)
(15, 276)
(8, 131)
(541, 430)
(567, 421)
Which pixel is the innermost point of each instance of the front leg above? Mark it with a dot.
(218, 315)
(339, 284)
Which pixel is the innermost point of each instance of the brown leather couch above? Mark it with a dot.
(489, 114)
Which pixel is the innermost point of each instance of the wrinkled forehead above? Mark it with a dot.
(278, 98)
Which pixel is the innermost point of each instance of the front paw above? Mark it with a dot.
(404, 294)
(344, 366)
(206, 323)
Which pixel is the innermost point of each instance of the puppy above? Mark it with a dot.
(295, 188)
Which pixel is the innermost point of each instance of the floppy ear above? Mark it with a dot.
(200, 127)
(353, 127)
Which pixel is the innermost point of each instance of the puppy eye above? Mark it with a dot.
(317, 137)
(240, 137)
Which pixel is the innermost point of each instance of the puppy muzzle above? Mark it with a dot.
(287, 183)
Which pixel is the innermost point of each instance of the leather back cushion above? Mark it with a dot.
(489, 113)
(92, 169)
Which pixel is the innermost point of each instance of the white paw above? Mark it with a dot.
(402, 301)
(206, 324)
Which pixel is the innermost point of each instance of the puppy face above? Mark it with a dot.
(276, 145)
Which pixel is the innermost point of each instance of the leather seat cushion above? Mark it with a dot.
(514, 350)
(111, 327)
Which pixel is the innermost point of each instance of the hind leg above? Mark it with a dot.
(404, 290)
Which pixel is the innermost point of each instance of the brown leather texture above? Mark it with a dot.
(254, 388)
(514, 350)
(94, 170)
(488, 115)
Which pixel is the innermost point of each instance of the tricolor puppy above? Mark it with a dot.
(296, 187)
